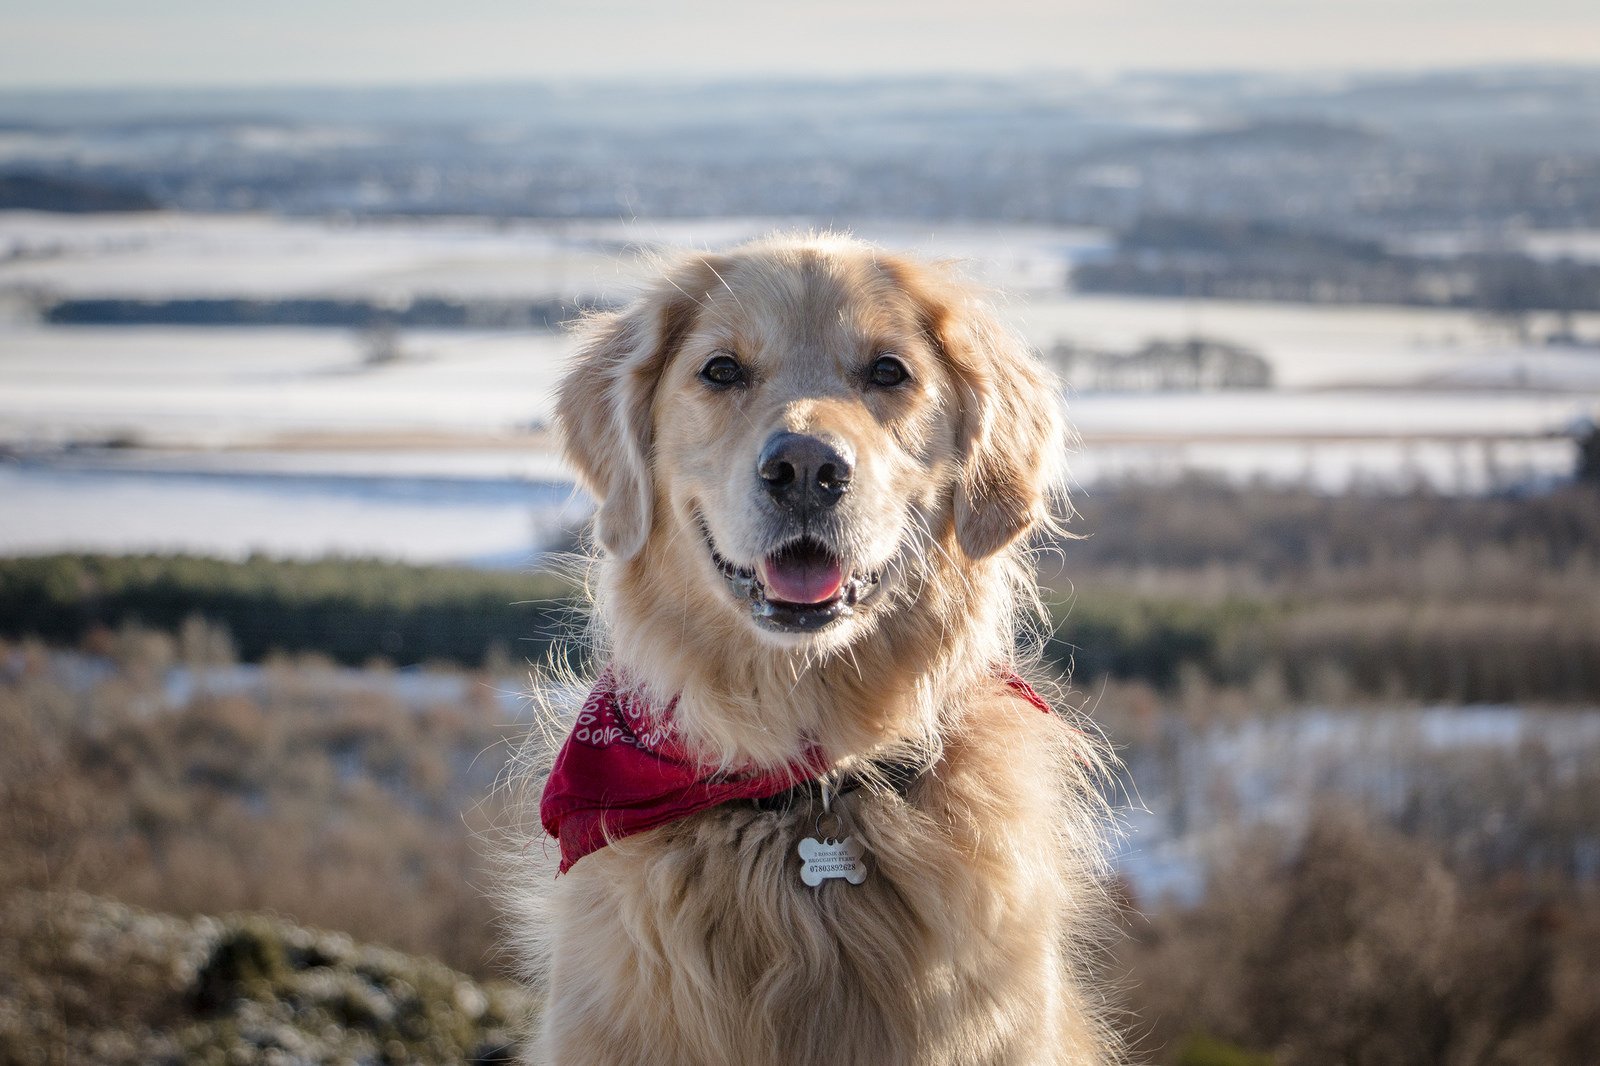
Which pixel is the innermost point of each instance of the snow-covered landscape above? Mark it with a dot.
(144, 437)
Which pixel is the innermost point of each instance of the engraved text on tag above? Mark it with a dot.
(830, 858)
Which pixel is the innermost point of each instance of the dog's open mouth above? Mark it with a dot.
(800, 588)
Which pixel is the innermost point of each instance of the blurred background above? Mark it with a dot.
(281, 308)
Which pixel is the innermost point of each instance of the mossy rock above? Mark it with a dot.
(244, 990)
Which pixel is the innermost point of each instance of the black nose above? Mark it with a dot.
(799, 470)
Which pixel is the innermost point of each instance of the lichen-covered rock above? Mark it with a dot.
(84, 979)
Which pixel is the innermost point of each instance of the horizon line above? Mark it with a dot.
(1296, 73)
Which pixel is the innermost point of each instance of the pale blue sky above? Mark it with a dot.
(63, 43)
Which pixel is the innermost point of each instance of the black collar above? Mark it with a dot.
(878, 775)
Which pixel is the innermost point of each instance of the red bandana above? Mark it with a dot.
(622, 771)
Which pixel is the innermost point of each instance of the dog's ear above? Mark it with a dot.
(604, 401)
(1011, 433)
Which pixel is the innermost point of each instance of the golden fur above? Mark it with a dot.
(696, 943)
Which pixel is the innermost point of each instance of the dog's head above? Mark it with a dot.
(798, 432)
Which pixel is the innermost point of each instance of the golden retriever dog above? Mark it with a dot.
(817, 467)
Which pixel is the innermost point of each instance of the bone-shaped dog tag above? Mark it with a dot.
(828, 858)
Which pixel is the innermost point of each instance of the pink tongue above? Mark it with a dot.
(802, 577)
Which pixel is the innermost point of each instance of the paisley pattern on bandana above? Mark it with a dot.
(623, 771)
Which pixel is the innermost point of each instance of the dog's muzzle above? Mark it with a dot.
(801, 587)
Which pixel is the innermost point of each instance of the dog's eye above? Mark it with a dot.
(887, 372)
(722, 370)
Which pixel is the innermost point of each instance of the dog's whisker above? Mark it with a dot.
(855, 663)
(725, 284)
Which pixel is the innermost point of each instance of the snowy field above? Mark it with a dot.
(209, 387)
(293, 441)
(1194, 792)
(159, 254)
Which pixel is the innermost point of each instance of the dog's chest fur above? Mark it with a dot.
(699, 944)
